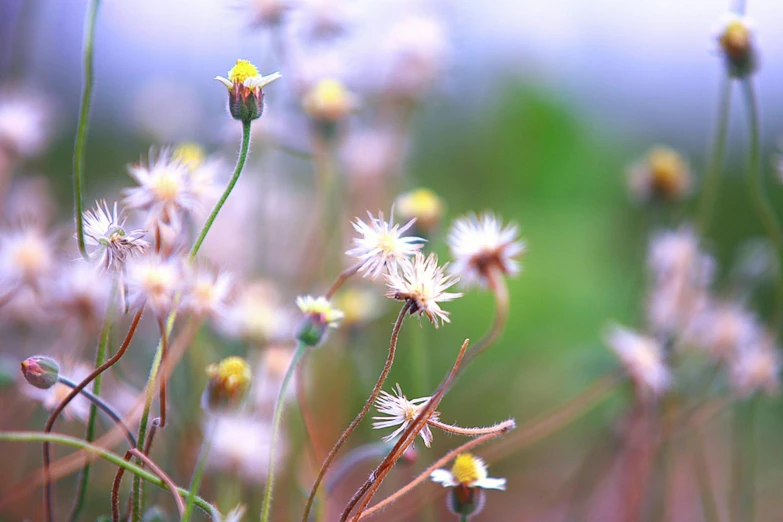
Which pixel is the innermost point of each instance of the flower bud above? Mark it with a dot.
(245, 94)
(228, 384)
(41, 371)
(319, 315)
(423, 205)
(736, 42)
(466, 502)
(328, 102)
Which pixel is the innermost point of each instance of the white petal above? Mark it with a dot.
(225, 81)
(491, 483)
(444, 477)
(261, 81)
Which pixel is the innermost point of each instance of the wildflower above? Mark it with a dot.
(735, 38)
(235, 515)
(480, 246)
(318, 316)
(23, 124)
(29, 200)
(245, 84)
(110, 244)
(329, 101)
(423, 205)
(155, 281)
(468, 476)
(79, 407)
(228, 383)
(41, 371)
(207, 292)
(424, 284)
(643, 358)
(26, 257)
(370, 156)
(240, 446)
(81, 290)
(662, 175)
(382, 244)
(756, 368)
(257, 314)
(401, 412)
(190, 155)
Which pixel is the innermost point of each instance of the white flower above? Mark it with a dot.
(154, 281)
(401, 412)
(23, 123)
(207, 292)
(643, 359)
(469, 471)
(235, 515)
(26, 257)
(79, 407)
(320, 310)
(424, 284)
(382, 244)
(418, 47)
(104, 232)
(481, 244)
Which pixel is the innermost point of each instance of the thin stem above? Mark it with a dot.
(66, 440)
(60, 407)
(237, 171)
(97, 402)
(198, 472)
(758, 197)
(463, 518)
(743, 456)
(310, 431)
(497, 284)
(357, 455)
(163, 348)
(341, 278)
(115, 489)
(471, 432)
(166, 480)
(100, 357)
(367, 405)
(424, 475)
(91, 18)
(711, 187)
(276, 418)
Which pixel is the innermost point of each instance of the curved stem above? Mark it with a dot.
(115, 489)
(497, 284)
(472, 432)
(66, 440)
(104, 407)
(84, 113)
(243, 150)
(60, 407)
(367, 405)
(341, 278)
(266, 507)
(166, 480)
(711, 186)
(198, 472)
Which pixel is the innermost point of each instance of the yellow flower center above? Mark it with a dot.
(736, 37)
(328, 99)
(387, 243)
(190, 154)
(465, 469)
(166, 186)
(668, 170)
(154, 281)
(232, 373)
(30, 257)
(242, 71)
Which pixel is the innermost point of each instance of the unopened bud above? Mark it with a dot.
(319, 315)
(229, 382)
(736, 42)
(424, 206)
(41, 371)
(466, 502)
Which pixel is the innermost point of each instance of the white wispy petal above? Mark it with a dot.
(382, 245)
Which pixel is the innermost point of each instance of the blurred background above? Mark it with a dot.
(534, 110)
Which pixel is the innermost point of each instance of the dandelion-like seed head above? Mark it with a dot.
(207, 292)
(643, 358)
(381, 244)
(480, 245)
(110, 244)
(401, 412)
(423, 283)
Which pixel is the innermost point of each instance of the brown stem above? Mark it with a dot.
(372, 484)
(60, 407)
(163, 378)
(497, 283)
(115, 490)
(470, 432)
(164, 477)
(341, 278)
(367, 405)
(503, 428)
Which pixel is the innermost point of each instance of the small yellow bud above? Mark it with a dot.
(229, 382)
(421, 204)
(329, 100)
(190, 154)
(736, 42)
(662, 175)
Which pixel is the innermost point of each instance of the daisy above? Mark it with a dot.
(401, 412)
(643, 358)
(104, 233)
(154, 281)
(382, 244)
(245, 94)
(480, 244)
(320, 310)
(258, 315)
(424, 284)
(468, 477)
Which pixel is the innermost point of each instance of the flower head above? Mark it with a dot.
(82, 291)
(26, 256)
(424, 284)
(735, 38)
(228, 383)
(110, 244)
(480, 245)
(382, 244)
(79, 407)
(401, 412)
(643, 358)
(245, 84)
(241, 446)
(423, 205)
(319, 314)
(155, 281)
(23, 123)
(663, 175)
(329, 101)
(258, 314)
(468, 471)
(207, 292)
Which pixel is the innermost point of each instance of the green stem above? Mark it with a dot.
(237, 171)
(65, 440)
(277, 416)
(84, 113)
(198, 472)
(100, 357)
(712, 180)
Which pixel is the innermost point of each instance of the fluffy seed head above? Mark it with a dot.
(381, 244)
(110, 244)
(401, 412)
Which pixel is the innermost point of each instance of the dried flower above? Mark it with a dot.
(382, 244)
(319, 314)
(110, 244)
(663, 175)
(228, 384)
(155, 281)
(643, 358)
(401, 412)
(424, 284)
(245, 84)
(481, 245)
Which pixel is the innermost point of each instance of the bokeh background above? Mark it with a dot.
(535, 111)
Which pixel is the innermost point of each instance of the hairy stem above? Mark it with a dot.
(470, 432)
(367, 405)
(165, 478)
(164, 341)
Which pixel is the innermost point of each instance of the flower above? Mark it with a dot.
(26, 256)
(424, 284)
(417, 46)
(207, 292)
(329, 101)
(245, 84)
(235, 515)
(401, 412)
(479, 245)
(81, 290)
(421, 204)
(468, 471)
(360, 305)
(643, 359)
(319, 314)
(662, 175)
(110, 244)
(735, 37)
(382, 244)
(257, 314)
(155, 281)
(79, 407)
(228, 383)
(23, 123)
(40, 371)
(725, 329)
